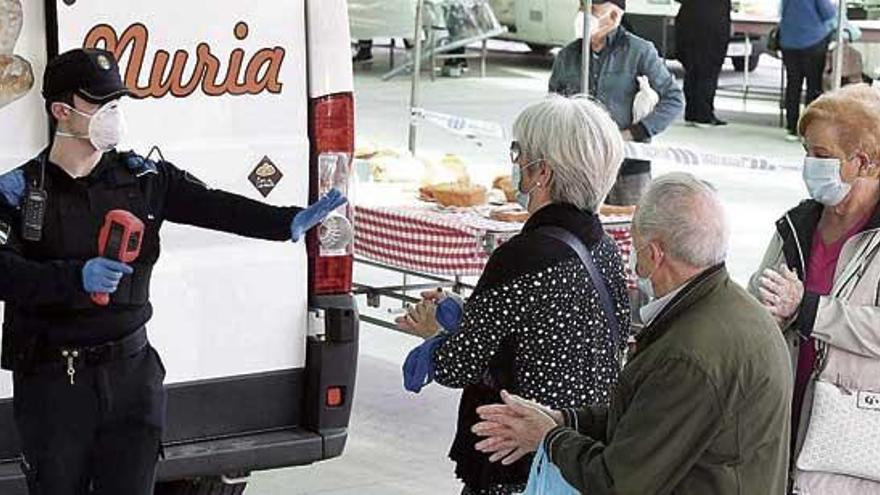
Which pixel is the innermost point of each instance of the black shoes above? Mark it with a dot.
(363, 56)
(706, 124)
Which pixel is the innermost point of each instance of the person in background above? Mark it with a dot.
(820, 276)
(618, 59)
(702, 406)
(535, 323)
(702, 32)
(804, 33)
(364, 51)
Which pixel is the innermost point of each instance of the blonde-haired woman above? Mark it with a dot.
(820, 279)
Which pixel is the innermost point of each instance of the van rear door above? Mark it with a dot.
(223, 89)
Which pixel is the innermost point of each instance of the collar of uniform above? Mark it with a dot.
(109, 169)
(693, 291)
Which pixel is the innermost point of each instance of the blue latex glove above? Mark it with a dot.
(418, 369)
(315, 214)
(102, 275)
(12, 186)
(449, 312)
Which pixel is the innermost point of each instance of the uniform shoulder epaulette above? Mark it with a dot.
(12, 187)
(138, 165)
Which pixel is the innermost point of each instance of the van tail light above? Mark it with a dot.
(331, 246)
(335, 397)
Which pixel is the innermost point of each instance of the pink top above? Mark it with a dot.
(820, 280)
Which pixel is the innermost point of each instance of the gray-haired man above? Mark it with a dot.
(703, 404)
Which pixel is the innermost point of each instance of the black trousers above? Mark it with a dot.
(701, 51)
(101, 435)
(800, 64)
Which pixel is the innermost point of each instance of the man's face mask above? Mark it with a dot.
(644, 282)
(106, 126)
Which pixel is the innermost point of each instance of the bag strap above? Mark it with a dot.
(599, 283)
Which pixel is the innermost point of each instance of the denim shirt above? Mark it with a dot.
(613, 81)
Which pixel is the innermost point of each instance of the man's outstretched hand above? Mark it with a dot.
(315, 214)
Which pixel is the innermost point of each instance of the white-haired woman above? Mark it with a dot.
(820, 279)
(535, 323)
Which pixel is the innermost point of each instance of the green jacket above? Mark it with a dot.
(702, 408)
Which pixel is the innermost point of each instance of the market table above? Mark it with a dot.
(455, 242)
(438, 245)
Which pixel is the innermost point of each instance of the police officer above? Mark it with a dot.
(702, 33)
(89, 402)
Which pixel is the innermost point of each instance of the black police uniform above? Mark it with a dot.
(702, 33)
(88, 400)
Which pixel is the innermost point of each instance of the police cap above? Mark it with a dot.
(91, 74)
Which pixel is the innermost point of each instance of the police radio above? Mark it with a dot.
(120, 240)
(34, 208)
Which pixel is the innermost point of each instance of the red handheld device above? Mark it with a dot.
(120, 240)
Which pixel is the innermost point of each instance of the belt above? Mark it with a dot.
(72, 356)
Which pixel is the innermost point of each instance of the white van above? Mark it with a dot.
(259, 339)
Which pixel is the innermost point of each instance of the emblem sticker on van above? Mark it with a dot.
(869, 400)
(265, 176)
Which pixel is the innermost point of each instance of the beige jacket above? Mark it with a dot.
(846, 326)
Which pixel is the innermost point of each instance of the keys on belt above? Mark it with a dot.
(70, 356)
(78, 358)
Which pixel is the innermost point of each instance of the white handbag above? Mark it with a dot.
(844, 433)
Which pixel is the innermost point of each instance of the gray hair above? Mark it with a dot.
(580, 143)
(686, 217)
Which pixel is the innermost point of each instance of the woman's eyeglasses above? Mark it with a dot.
(515, 152)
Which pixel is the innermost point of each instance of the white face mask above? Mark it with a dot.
(106, 126)
(822, 177)
(595, 23)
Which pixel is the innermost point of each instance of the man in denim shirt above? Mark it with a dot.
(618, 59)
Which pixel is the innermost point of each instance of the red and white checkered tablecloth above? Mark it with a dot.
(431, 240)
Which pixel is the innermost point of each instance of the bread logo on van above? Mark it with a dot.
(266, 170)
(265, 176)
(169, 75)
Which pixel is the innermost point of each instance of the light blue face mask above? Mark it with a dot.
(645, 284)
(523, 198)
(822, 177)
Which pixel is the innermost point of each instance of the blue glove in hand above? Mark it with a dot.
(12, 186)
(315, 214)
(102, 275)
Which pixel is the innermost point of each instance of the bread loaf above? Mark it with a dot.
(457, 194)
(505, 183)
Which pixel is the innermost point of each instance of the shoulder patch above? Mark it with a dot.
(139, 165)
(12, 186)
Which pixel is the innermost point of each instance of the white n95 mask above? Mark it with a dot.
(106, 126)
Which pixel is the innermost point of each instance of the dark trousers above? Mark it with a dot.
(701, 52)
(801, 64)
(100, 436)
(631, 184)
